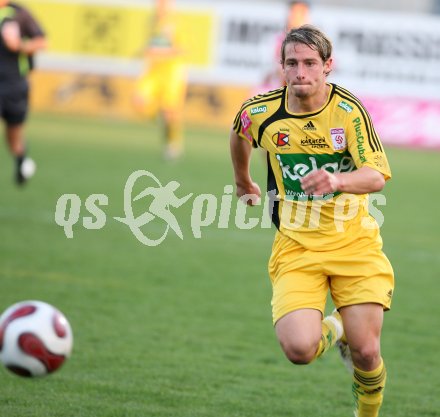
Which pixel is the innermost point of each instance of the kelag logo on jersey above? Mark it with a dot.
(345, 106)
(295, 166)
(259, 109)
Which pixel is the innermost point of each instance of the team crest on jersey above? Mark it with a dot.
(281, 139)
(338, 138)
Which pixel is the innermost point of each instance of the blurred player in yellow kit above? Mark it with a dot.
(161, 89)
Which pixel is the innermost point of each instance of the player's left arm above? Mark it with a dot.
(362, 181)
(33, 38)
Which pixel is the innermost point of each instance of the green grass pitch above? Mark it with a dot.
(184, 329)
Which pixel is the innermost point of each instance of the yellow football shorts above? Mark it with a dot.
(301, 278)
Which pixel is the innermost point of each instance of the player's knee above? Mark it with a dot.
(366, 355)
(299, 353)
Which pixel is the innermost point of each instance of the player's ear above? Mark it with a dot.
(328, 66)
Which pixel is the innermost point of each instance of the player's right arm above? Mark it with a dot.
(10, 32)
(12, 38)
(241, 150)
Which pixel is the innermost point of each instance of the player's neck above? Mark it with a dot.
(307, 104)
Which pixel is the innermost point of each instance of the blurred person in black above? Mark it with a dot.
(20, 37)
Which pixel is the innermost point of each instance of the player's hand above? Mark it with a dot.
(319, 182)
(249, 193)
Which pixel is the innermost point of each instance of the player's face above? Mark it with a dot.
(304, 70)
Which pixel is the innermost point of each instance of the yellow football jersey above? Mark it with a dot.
(338, 137)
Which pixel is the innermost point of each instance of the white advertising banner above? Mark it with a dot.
(244, 49)
(383, 53)
(389, 60)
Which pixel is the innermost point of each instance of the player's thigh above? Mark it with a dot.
(359, 277)
(299, 330)
(298, 281)
(362, 323)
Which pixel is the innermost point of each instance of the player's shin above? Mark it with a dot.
(331, 332)
(368, 387)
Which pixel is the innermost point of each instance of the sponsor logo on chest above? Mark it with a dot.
(314, 142)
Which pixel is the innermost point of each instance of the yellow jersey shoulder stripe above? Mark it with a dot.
(373, 139)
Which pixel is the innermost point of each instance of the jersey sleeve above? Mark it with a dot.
(243, 126)
(364, 143)
(29, 27)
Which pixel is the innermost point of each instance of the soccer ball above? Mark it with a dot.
(35, 338)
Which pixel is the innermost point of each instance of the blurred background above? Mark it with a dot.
(387, 53)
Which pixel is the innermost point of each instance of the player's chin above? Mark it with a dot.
(301, 90)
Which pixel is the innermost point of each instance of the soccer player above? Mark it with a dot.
(162, 87)
(324, 158)
(20, 38)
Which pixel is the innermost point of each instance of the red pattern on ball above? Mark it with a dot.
(59, 325)
(33, 346)
(23, 311)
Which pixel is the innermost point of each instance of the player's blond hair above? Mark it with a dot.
(312, 37)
